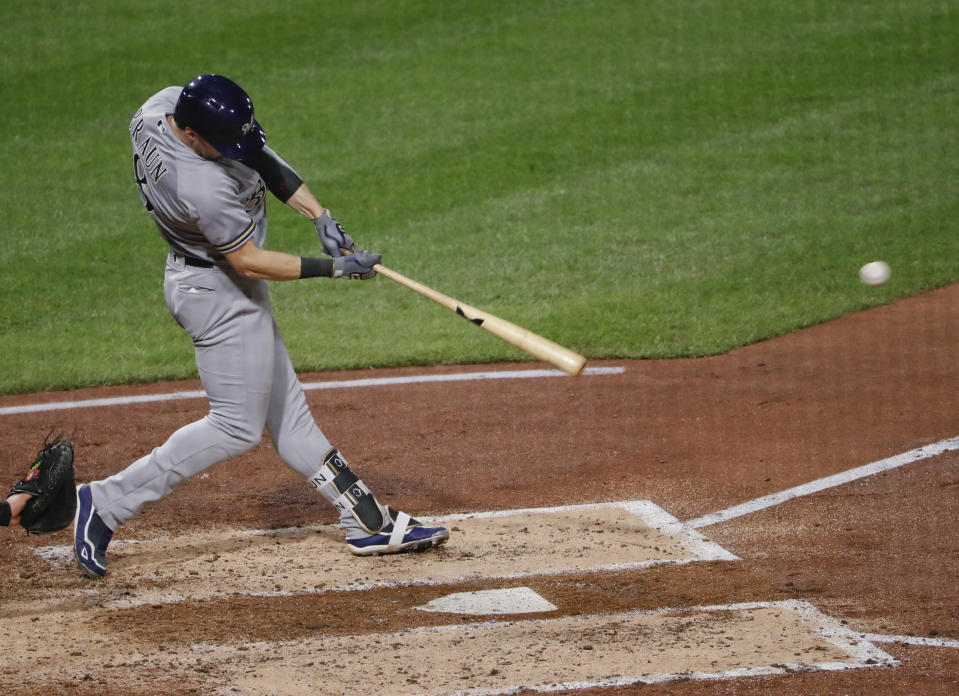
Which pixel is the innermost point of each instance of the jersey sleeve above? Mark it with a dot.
(221, 218)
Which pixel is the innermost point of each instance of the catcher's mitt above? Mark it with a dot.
(51, 484)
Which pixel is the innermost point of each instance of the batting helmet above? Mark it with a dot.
(222, 113)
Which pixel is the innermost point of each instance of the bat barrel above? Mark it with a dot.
(569, 362)
(539, 347)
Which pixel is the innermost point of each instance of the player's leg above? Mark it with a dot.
(232, 331)
(371, 527)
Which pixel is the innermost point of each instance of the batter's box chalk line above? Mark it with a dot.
(614, 642)
(493, 545)
(927, 451)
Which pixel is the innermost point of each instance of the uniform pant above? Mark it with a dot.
(249, 379)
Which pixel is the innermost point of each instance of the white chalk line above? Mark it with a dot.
(310, 386)
(911, 640)
(655, 516)
(694, 543)
(852, 642)
(774, 499)
(861, 652)
(918, 454)
(652, 514)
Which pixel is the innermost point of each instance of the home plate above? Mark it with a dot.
(558, 654)
(512, 600)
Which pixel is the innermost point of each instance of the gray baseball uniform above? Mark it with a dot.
(205, 208)
(204, 180)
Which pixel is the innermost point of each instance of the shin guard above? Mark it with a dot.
(338, 484)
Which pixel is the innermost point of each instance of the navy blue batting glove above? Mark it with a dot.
(357, 266)
(336, 241)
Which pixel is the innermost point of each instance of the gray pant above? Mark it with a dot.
(248, 377)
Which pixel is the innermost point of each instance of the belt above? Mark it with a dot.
(198, 263)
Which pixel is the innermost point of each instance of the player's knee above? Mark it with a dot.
(243, 435)
(291, 454)
(244, 442)
(297, 446)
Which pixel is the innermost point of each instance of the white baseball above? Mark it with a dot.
(875, 273)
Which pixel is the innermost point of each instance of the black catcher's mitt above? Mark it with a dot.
(50, 481)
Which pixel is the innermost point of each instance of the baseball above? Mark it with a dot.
(875, 273)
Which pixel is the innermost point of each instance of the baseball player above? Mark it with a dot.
(203, 169)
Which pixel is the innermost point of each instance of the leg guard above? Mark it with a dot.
(338, 484)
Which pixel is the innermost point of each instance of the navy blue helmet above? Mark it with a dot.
(222, 113)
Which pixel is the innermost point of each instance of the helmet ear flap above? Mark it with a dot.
(222, 113)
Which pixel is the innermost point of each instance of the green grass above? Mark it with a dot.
(631, 179)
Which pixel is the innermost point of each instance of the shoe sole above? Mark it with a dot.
(76, 521)
(408, 547)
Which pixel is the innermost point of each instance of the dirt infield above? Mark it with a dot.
(238, 584)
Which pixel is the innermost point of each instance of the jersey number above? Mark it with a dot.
(140, 175)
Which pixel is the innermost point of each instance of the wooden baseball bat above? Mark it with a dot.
(534, 344)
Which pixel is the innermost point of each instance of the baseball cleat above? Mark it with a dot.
(90, 536)
(403, 534)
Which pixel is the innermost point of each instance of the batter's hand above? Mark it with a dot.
(336, 241)
(358, 265)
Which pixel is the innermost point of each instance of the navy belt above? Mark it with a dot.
(198, 263)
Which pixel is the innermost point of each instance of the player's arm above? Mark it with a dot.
(284, 183)
(305, 202)
(279, 177)
(336, 241)
(250, 261)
